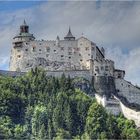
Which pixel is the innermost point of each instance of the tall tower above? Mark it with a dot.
(18, 49)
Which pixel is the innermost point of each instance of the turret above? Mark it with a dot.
(69, 35)
(24, 34)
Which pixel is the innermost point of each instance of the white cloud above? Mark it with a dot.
(113, 25)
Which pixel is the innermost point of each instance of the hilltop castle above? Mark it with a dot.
(78, 58)
(67, 54)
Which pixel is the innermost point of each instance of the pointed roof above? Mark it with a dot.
(24, 23)
(69, 35)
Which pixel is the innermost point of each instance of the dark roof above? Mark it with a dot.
(69, 35)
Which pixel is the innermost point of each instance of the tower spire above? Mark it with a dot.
(24, 22)
(69, 35)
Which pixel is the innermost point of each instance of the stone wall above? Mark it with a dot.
(104, 85)
(111, 105)
(73, 74)
(127, 90)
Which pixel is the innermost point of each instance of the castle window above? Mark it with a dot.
(19, 56)
(122, 84)
(69, 48)
(78, 49)
(81, 60)
(88, 54)
(87, 48)
(18, 50)
(62, 48)
(62, 55)
(92, 48)
(48, 49)
(92, 56)
(81, 44)
(106, 68)
(79, 54)
(69, 57)
(40, 50)
(26, 50)
(33, 49)
(47, 55)
(70, 53)
(40, 44)
(54, 50)
(102, 68)
(26, 43)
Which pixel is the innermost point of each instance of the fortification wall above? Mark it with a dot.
(105, 85)
(131, 114)
(72, 73)
(127, 90)
(112, 106)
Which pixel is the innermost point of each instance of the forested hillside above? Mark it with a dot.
(35, 106)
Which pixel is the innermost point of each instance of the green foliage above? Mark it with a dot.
(36, 106)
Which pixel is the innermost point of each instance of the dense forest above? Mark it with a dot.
(35, 106)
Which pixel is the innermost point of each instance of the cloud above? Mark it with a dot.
(113, 25)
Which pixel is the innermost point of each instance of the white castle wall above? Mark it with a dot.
(131, 114)
(112, 106)
(128, 90)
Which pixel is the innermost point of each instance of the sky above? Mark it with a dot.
(112, 25)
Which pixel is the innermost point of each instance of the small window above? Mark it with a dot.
(40, 50)
(102, 68)
(40, 44)
(69, 57)
(26, 43)
(26, 50)
(18, 50)
(54, 50)
(19, 56)
(34, 49)
(81, 60)
(62, 48)
(79, 54)
(70, 53)
(47, 55)
(62, 55)
(48, 49)
(87, 48)
(88, 54)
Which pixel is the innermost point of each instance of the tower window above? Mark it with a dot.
(48, 49)
(26, 50)
(40, 50)
(69, 57)
(62, 55)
